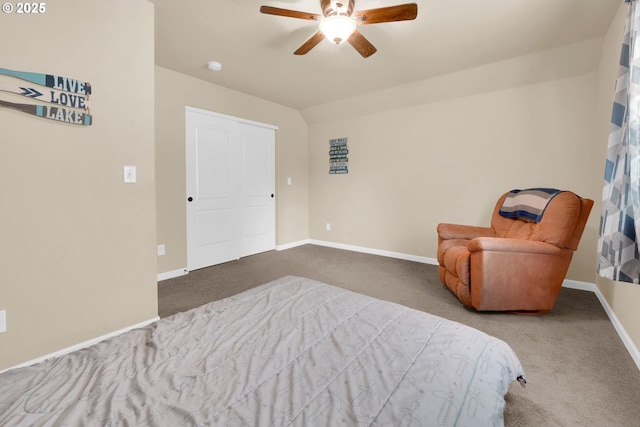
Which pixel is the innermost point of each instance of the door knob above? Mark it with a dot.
(190, 199)
(272, 196)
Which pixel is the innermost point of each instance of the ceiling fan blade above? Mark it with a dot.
(403, 12)
(269, 10)
(310, 44)
(361, 44)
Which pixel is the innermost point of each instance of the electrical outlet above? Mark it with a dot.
(328, 226)
(129, 174)
(161, 250)
(3, 321)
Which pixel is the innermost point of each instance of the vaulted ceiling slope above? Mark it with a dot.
(256, 50)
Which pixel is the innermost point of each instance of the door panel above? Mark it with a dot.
(256, 160)
(212, 222)
(213, 159)
(258, 202)
(231, 181)
(215, 227)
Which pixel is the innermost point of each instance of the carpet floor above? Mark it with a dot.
(579, 372)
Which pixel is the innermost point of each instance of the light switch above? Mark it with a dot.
(289, 181)
(129, 174)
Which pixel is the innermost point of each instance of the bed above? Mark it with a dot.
(290, 352)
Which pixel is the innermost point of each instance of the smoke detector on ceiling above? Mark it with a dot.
(214, 65)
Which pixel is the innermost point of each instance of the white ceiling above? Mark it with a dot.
(256, 50)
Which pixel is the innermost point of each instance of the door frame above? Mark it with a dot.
(189, 164)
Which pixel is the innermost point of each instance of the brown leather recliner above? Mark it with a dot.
(514, 265)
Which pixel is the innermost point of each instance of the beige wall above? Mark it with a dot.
(451, 157)
(623, 298)
(78, 245)
(174, 91)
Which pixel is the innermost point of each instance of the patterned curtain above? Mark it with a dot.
(620, 221)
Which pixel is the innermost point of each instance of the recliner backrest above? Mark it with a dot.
(562, 224)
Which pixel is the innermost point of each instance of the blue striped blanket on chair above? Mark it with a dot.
(527, 205)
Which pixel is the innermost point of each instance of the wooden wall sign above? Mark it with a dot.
(54, 113)
(338, 160)
(63, 91)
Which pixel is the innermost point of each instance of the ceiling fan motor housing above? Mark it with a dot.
(337, 7)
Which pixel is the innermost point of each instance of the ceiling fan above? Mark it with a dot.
(338, 22)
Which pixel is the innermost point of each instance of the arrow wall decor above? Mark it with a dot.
(68, 95)
(52, 96)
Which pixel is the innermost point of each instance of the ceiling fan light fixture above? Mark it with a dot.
(337, 28)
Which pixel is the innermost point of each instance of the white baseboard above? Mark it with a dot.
(292, 245)
(84, 344)
(581, 286)
(389, 254)
(622, 333)
(626, 339)
(171, 274)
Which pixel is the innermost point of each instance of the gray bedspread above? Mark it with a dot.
(290, 352)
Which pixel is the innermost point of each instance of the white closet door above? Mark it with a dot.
(257, 218)
(230, 188)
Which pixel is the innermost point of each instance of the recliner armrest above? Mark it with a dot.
(499, 244)
(458, 231)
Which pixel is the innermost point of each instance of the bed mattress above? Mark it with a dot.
(291, 352)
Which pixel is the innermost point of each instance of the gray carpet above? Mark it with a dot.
(579, 372)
